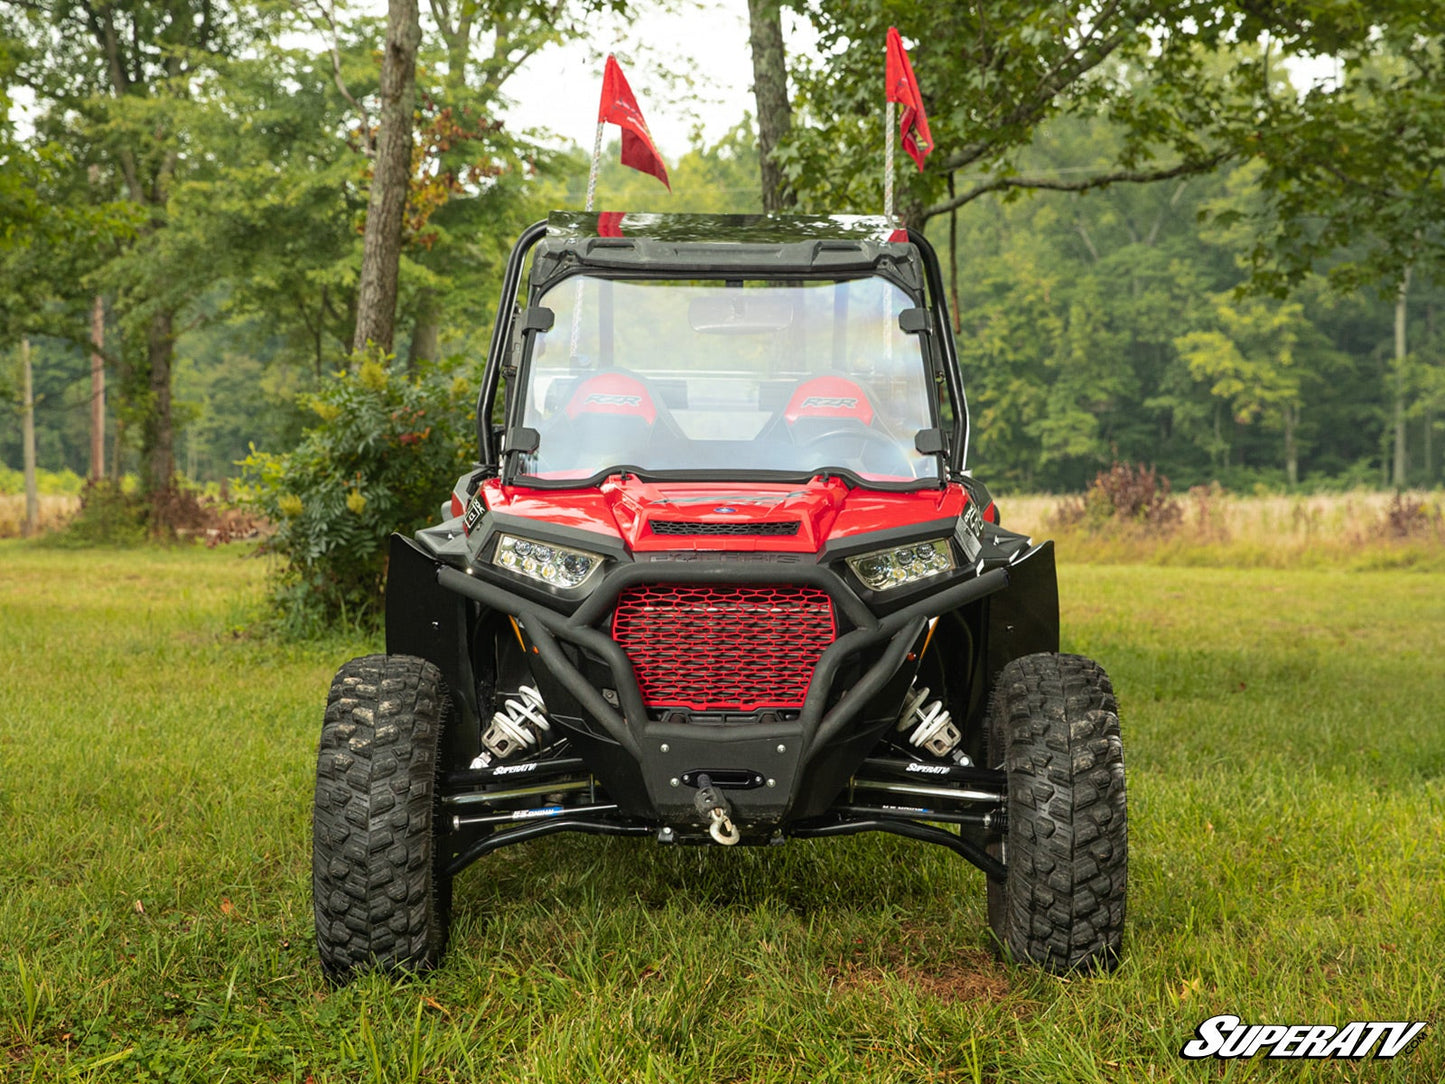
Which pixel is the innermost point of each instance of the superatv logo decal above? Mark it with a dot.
(828, 402)
(928, 769)
(513, 769)
(599, 399)
(1227, 1036)
(475, 511)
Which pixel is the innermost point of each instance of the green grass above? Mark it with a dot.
(1286, 754)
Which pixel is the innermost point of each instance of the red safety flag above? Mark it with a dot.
(903, 88)
(619, 107)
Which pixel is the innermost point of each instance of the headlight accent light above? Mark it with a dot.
(556, 566)
(883, 569)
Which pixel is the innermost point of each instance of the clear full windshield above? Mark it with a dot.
(736, 376)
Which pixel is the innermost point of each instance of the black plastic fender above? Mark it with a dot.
(1024, 619)
(425, 619)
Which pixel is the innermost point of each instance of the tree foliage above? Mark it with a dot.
(371, 464)
(994, 71)
(118, 85)
(1349, 166)
(1351, 169)
(1111, 325)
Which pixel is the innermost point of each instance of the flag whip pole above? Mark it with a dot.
(592, 175)
(888, 160)
(591, 196)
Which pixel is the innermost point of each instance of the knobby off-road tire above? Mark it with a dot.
(379, 885)
(1054, 726)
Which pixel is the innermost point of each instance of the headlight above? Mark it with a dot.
(556, 566)
(882, 569)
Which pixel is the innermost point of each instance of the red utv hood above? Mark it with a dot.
(777, 518)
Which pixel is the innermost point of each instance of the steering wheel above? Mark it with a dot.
(890, 454)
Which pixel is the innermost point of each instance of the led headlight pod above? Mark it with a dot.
(883, 569)
(556, 566)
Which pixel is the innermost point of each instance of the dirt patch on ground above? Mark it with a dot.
(948, 983)
(958, 982)
(950, 976)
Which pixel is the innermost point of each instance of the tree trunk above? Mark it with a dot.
(97, 391)
(770, 90)
(27, 438)
(953, 261)
(1430, 401)
(1291, 451)
(381, 246)
(158, 459)
(1429, 448)
(426, 332)
(117, 446)
(1398, 477)
(1220, 452)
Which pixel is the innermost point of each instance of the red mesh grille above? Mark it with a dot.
(711, 647)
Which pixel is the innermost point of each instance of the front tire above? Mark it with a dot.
(380, 889)
(1054, 727)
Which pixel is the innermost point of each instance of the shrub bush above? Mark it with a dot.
(1410, 517)
(385, 450)
(110, 515)
(117, 513)
(1123, 494)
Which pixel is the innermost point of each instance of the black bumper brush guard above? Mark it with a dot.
(769, 769)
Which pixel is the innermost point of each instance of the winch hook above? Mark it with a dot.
(712, 805)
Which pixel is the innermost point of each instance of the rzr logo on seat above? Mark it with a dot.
(612, 400)
(828, 402)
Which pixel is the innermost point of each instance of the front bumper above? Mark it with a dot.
(790, 767)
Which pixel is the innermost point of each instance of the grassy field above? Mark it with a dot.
(1286, 762)
(55, 510)
(1357, 531)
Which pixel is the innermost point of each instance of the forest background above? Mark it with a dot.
(1171, 239)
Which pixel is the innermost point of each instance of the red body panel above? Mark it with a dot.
(823, 510)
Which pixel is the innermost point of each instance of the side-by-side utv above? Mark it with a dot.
(720, 576)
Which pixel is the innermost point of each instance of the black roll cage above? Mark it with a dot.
(488, 455)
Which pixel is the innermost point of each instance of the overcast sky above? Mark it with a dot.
(707, 44)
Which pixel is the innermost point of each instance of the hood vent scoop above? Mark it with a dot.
(688, 527)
